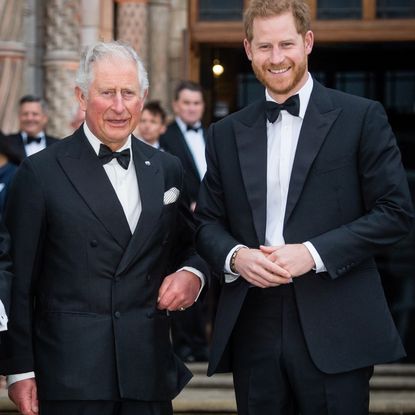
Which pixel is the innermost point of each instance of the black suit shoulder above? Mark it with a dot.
(169, 139)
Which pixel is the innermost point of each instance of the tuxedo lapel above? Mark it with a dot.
(319, 117)
(181, 141)
(151, 188)
(251, 141)
(85, 171)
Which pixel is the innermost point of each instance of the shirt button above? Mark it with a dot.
(117, 314)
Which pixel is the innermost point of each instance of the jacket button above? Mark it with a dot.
(94, 243)
(148, 277)
(117, 314)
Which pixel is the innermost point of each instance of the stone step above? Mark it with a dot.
(392, 393)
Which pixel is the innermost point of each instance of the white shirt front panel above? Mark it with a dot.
(124, 181)
(34, 147)
(282, 139)
(196, 144)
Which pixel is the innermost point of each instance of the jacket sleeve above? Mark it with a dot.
(388, 213)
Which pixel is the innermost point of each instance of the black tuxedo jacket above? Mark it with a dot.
(84, 311)
(348, 195)
(16, 144)
(6, 276)
(174, 142)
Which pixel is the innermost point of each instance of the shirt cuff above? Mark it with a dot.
(229, 275)
(3, 317)
(21, 376)
(198, 274)
(316, 257)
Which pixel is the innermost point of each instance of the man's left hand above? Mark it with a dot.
(295, 258)
(178, 291)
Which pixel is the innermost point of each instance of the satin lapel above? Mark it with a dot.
(87, 175)
(319, 117)
(151, 188)
(251, 141)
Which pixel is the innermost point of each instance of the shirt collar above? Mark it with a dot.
(95, 142)
(304, 94)
(183, 126)
(24, 135)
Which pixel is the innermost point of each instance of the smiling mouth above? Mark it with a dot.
(117, 122)
(279, 71)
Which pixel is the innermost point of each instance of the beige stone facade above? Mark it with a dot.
(41, 41)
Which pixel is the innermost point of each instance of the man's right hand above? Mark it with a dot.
(24, 394)
(253, 265)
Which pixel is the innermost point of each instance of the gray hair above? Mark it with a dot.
(100, 50)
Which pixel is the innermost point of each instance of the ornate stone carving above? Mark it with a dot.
(132, 25)
(62, 43)
(12, 54)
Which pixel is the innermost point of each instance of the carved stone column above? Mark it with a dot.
(132, 25)
(12, 54)
(62, 46)
(159, 33)
(90, 22)
(177, 48)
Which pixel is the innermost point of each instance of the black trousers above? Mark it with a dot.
(273, 371)
(105, 408)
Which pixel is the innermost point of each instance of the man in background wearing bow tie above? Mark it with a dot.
(103, 252)
(302, 189)
(185, 138)
(32, 138)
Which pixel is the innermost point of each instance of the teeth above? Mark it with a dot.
(277, 71)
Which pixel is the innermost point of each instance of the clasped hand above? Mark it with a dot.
(270, 266)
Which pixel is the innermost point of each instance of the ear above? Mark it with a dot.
(163, 129)
(80, 96)
(143, 100)
(309, 42)
(248, 49)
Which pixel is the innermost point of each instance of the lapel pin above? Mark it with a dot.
(147, 163)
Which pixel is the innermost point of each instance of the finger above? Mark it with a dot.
(170, 299)
(269, 249)
(164, 287)
(34, 401)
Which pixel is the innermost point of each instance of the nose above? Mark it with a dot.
(276, 56)
(118, 103)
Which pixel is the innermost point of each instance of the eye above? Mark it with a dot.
(128, 94)
(107, 93)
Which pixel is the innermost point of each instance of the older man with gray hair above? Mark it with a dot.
(99, 231)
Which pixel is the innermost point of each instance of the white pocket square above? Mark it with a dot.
(171, 195)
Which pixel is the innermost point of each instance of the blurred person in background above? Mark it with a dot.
(31, 138)
(152, 124)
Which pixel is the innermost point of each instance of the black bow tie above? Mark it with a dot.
(31, 139)
(106, 155)
(192, 128)
(292, 105)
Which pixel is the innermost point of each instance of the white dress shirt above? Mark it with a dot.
(126, 188)
(124, 181)
(34, 147)
(282, 140)
(196, 144)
